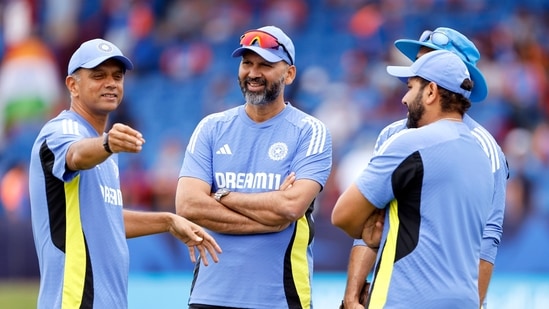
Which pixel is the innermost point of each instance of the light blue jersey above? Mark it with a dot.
(437, 186)
(494, 226)
(228, 149)
(77, 222)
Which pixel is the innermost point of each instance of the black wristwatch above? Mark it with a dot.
(221, 192)
(106, 143)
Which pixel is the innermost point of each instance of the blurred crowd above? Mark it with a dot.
(183, 71)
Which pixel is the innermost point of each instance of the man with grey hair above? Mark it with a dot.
(251, 175)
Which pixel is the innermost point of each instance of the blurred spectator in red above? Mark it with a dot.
(14, 193)
(290, 15)
(136, 185)
(164, 176)
(185, 60)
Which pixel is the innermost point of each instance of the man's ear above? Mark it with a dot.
(72, 85)
(290, 75)
(430, 93)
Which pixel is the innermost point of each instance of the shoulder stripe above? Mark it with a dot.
(70, 127)
(194, 136)
(318, 138)
(385, 132)
(489, 146)
(386, 144)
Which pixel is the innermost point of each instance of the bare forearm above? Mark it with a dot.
(484, 277)
(146, 223)
(351, 212)
(89, 152)
(192, 235)
(268, 208)
(214, 216)
(194, 201)
(273, 208)
(86, 154)
(361, 261)
(227, 221)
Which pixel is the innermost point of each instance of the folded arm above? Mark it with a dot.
(194, 201)
(279, 207)
(352, 211)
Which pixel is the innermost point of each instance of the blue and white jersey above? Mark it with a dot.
(228, 149)
(77, 222)
(494, 226)
(437, 186)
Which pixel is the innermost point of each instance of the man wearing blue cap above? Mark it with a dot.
(250, 175)
(361, 258)
(79, 224)
(436, 184)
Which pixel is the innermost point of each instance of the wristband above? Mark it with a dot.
(106, 143)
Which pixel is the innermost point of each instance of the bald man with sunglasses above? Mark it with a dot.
(362, 258)
(250, 175)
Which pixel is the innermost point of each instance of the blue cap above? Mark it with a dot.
(458, 44)
(93, 52)
(442, 67)
(269, 54)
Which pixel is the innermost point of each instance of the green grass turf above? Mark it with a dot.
(18, 294)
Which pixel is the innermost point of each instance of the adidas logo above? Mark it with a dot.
(225, 150)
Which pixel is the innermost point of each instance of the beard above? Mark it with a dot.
(415, 111)
(269, 94)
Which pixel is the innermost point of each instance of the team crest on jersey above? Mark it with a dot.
(278, 151)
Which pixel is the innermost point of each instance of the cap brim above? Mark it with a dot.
(403, 73)
(410, 48)
(264, 53)
(97, 61)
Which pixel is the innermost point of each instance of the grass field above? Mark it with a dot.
(18, 294)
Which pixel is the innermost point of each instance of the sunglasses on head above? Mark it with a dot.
(443, 40)
(263, 40)
(437, 38)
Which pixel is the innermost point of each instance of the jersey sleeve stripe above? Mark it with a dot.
(196, 133)
(194, 136)
(318, 138)
(489, 146)
(388, 142)
(384, 134)
(70, 127)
